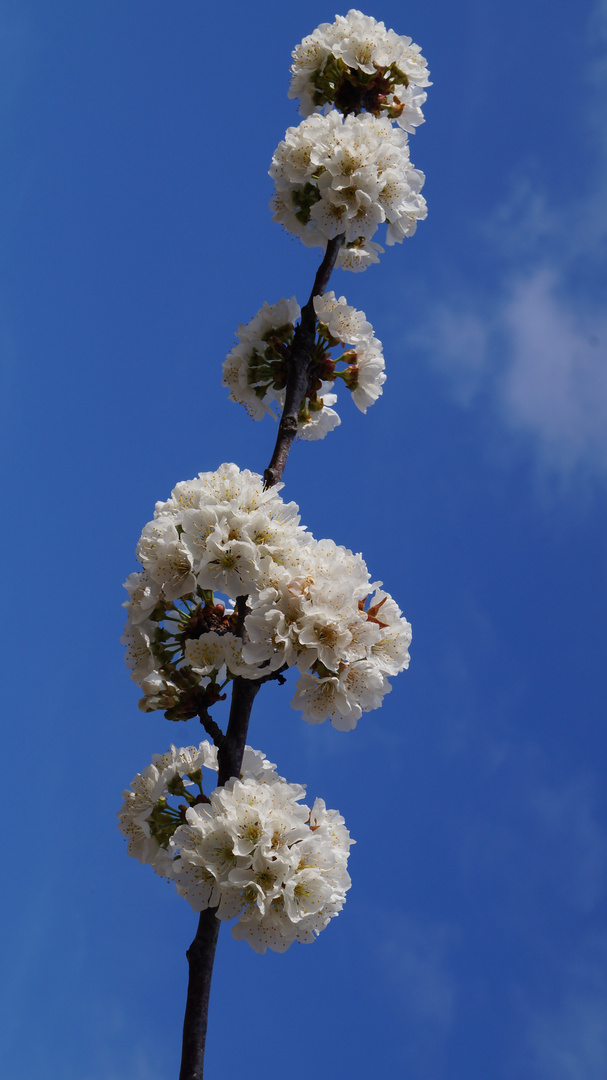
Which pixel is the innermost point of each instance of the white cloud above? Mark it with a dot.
(457, 341)
(555, 382)
(416, 956)
(571, 849)
(546, 852)
(572, 1044)
(568, 1041)
(541, 362)
(536, 351)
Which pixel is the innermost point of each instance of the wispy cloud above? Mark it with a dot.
(457, 342)
(570, 853)
(543, 840)
(417, 957)
(567, 1040)
(540, 360)
(535, 352)
(546, 850)
(555, 383)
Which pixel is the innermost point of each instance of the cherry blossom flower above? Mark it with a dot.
(336, 175)
(355, 63)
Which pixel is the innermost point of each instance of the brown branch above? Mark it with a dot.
(244, 692)
(275, 676)
(211, 727)
(201, 955)
(299, 368)
(232, 749)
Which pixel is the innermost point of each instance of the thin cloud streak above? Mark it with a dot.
(416, 956)
(536, 351)
(555, 384)
(567, 1040)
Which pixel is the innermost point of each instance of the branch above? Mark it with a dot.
(244, 692)
(201, 955)
(275, 676)
(299, 368)
(211, 727)
(232, 749)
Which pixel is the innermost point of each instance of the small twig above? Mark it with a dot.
(299, 368)
(276, 676)
(211, 727)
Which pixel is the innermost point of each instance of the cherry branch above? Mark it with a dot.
(299, 367)
(231, 746)
(201, 955)
(211, 727)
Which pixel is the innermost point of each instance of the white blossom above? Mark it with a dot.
(220, 532)
(315, 424)
(247, 369)
(323, 622)
(310, 603)
(326, 65)
(164, 557)
(337, 175)
(366, 374)
(391, 648)
(261, 856)
(147, 791)
(143, 596)
(217, 653)
(139, 656)
(257, 369)
(148, 822)
(358, 255)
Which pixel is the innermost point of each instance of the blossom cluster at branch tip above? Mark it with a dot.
(256, 369)
(346, 170)
(309, 604)
(355, 63)
(251, 849)
(337, 175)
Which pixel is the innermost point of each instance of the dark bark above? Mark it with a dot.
(299, 368)
(213, 729)
(230, 752)
(201, 955)
(244, 692)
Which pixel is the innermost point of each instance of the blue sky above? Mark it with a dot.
(135, 237)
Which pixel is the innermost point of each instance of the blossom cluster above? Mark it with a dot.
(256, 369)
(309, 604)
(146, 818)
(355, 59)
(346, 170)
(251, 849)
(339, 175)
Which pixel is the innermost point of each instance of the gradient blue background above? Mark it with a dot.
(135, 236)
